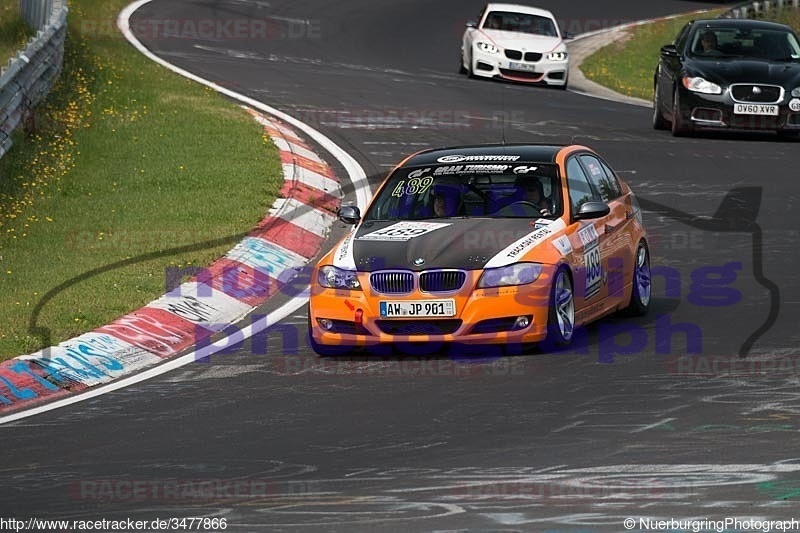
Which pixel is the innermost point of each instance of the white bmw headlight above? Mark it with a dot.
(337, 278)
(701, 85)
(516, 274)
(489, 48)
(557, 56)
(796, 92)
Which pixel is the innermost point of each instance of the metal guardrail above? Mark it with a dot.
(37, 13)
(30, 74)
(754, 9)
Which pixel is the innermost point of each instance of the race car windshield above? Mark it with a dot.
(520, 22)
(526, 190)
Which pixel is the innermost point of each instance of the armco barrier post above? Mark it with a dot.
(31, 74)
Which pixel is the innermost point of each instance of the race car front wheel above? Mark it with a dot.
(640, 292)
(561, 317)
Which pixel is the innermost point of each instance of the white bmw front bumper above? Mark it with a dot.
(497, 65)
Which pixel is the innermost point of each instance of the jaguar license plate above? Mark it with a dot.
(755, 109)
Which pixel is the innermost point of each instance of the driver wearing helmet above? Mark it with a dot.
(534, 193)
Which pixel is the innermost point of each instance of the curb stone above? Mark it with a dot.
(229, 289)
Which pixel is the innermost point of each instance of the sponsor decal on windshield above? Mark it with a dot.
(470, 169)
(467, 158)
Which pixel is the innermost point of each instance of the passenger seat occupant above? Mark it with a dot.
(768, 47)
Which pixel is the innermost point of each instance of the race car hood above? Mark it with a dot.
(445, 243)
(522, 41)
(728, 71)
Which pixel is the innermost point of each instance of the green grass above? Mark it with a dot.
(14, 32)
(789, 16)
(126, 159)
(627, 65)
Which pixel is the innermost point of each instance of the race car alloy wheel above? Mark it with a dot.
(640, 293)
(561, 320)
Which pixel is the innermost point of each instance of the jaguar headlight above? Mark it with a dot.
(337, 278)
(506, 276)
(701, 85)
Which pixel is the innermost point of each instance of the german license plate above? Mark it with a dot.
(418, 308)
(521, 66)
(755, 109)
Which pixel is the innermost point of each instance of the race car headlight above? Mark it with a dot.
(701, 85)
(796, 92)
(516, 274)
(337, 278)
(557, 56)
(489, 48)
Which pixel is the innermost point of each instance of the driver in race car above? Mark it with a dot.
(534, 194)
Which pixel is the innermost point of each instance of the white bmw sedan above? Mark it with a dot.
(515, 42)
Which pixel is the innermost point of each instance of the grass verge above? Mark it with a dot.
(126, 159)
(788, 16)
(14, 32)
(627, 65)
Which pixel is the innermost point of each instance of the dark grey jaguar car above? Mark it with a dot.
(729, 74)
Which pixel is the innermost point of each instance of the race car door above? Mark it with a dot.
(590, 241)
(618, 262)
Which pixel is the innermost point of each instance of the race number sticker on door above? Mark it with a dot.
(591, 259)
(402, 231)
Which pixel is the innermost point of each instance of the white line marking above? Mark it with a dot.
(354, 171)
(651, 426)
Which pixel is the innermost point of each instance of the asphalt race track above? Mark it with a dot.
(621, 426)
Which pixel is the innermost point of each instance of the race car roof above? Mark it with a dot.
(530, 153)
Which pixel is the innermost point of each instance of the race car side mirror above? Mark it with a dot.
(591, 210)
(349, 214)
(471, 24)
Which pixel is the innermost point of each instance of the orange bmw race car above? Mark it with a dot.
(492, 244)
